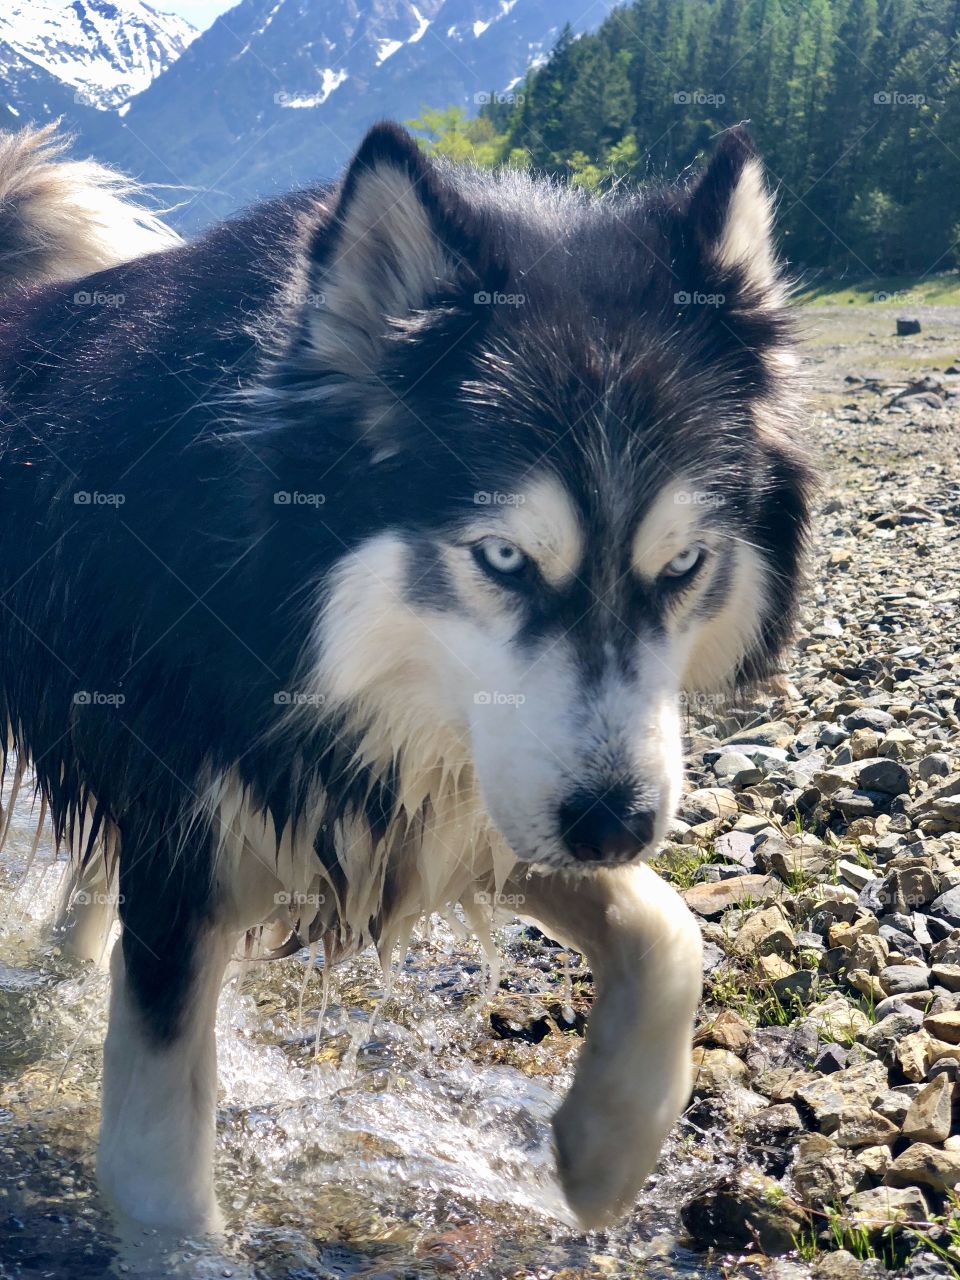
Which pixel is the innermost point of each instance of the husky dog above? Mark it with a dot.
(356, 560)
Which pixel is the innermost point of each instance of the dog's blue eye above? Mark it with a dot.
(684, 564)
(500, 556)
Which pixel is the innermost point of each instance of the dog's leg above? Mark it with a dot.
(87, 913)
(155, 1162)
(633, 1077)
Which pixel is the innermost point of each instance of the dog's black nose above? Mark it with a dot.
(596, 829)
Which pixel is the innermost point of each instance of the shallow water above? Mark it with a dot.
(403, 1140)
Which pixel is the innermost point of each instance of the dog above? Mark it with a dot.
(357, 558)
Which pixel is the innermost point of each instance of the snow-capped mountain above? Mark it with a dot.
(276, 93)
(103, 53)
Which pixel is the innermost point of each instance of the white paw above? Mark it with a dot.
(605, 1152)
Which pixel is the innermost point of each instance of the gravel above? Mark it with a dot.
(836, 799)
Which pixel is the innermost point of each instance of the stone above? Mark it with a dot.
(923, 1165)
(864, 743)
(823, 1173)
(944, 1026)
(863, 1127)
(778, 1124)
(734, 769)
(788, 861)
(706, 803)
(736, 847)
(775, 968)
(879, 1206)
(928, 1119)
(869, 718)
(836, 1018)
(869, 952)
(897, 979)
(832, 1057)
(914, 1054)
(712, 900)
(936, 765)
(726, 1031)
(947, 975)
(884, 1036)
(854, 874)
(774, 733)
(766, 932)
(906, 888)
(744, 1207)
(894, 1104)
(831, 1098)
(857, 803)
(884, 775)
(716, 1071)
(874, 1161)
(843, 934)
(947, 906)
(907, 326)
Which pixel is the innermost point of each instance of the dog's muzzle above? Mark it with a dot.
(597, 829)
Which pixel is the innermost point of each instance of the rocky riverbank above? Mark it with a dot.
(820, 845)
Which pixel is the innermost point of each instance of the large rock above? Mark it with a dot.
(706, 803)
(712, 899)
(765, 933)
(928, 1119)
(822, 1173)
(744, 1206)
(899, 979)
(717, 1071)
(880, 1206)
(944, 1026)
(926, 1166)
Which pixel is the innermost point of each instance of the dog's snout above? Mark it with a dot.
(596, 828)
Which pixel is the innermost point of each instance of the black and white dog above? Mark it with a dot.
(355, 561)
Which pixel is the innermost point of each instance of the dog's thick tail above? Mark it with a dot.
(62, 219)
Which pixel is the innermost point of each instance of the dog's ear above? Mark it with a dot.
(731, 214)
(399, 241)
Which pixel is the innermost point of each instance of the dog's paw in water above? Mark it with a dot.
(634, 1072)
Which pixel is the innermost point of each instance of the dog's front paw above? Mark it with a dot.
(604, 1155)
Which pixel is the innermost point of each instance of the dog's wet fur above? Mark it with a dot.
(357, 559)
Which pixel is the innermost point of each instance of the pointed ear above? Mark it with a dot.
(731, 214)
(399, 241)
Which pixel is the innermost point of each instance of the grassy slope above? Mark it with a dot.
(886, 291)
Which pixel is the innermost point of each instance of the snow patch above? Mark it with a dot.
(422, 24)
(386, 49)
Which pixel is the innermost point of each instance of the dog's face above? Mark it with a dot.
(579, 502)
